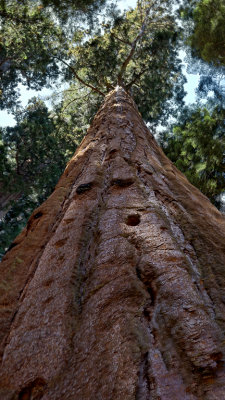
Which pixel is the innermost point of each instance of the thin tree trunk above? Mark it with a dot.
(115, 289)
(6, 200)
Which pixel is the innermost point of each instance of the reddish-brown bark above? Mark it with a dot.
(115, 289)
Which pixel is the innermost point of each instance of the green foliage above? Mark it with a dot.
(75, 112)
(197, 142)
(208, 38)
(15, 220)
(137, 50)
(34, 156)
(212, 86)
(197, 148)
(204, 29)
(33, 38)
(31, 145)
(71, 8)
(34, 153)
(29, 39)
(3, 155)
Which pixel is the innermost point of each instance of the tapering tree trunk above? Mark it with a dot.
(115, 289)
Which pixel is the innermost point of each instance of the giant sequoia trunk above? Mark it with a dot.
(115, 289)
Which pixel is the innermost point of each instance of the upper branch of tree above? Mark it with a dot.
(121, 40)
(79, 78)
(136, 78)
(74, 99)
(133, 47)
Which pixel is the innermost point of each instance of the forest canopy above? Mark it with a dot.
(87, 48)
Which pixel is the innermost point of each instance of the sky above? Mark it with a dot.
(7, 119)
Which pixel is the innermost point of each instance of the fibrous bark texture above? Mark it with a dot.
(115, 289)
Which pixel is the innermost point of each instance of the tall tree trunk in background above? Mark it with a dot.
(115, 289)
(6, 200)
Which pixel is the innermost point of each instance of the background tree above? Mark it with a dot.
(195, 141)
(34, 155)
(31, 35)
(197, 147)
(208, 37)
(28, 38)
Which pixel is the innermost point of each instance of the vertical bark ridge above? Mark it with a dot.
(115, 289)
